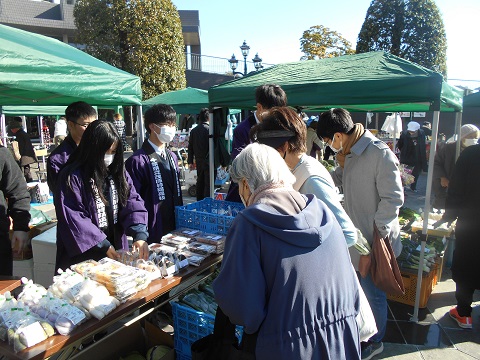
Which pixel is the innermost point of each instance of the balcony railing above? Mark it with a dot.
(216, 65)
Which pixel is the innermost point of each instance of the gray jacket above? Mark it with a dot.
(372, 190)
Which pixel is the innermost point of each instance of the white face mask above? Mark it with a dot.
(108, 158)
(167, 133)
(470, 142)
(334, 149)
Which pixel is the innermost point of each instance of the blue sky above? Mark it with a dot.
(274, 28)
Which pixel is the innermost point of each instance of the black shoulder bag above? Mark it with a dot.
(223, 344)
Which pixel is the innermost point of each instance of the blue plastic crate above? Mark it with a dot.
(180, 356)
(191, 325)
(208, 215)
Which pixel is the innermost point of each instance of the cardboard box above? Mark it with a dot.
(126, 340)
(35, 231)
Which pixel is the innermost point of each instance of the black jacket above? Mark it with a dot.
(14, 196)
(25, 148)
(413, 150)
(463, 197)
(198, 145)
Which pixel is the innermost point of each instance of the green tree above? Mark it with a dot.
(143, 37)
(410, 29)
(320, 42)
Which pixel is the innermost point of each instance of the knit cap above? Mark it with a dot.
(466, 130)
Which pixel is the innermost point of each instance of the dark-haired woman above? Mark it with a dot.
(96, 203)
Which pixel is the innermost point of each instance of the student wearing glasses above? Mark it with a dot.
(78, 115)
(154, 171)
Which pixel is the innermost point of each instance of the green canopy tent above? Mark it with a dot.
(38, 70)
(184, 101)
(374, 81)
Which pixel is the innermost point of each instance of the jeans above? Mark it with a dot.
(378, 302)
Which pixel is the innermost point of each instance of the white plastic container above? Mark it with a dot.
(44, 247)
(23, 268)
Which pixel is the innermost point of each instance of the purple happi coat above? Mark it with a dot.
(78, 223)
(161, 212)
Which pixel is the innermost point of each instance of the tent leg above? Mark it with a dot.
(3, 130)
(211, 161)
(458, 126)
(426, 211)
(140, 127)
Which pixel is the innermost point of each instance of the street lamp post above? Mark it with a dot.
(257, 61)
(245, 49)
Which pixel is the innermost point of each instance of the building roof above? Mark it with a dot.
(56, 20)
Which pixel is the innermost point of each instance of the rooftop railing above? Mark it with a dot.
(217, 65)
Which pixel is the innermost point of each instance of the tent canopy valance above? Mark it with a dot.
(472, 100)
(38, 70)
(185, 101)
(374, 81)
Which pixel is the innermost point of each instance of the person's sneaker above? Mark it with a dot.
(464, 322)
(372, 349)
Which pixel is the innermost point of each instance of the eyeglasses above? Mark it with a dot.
(82, 125)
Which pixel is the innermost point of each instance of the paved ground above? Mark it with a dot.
(435, 336)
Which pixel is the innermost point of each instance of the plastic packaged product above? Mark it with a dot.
(201, 248)
(65, 316)
(150, 267)
(84, 266)
(66, 285)
(157, 248)
(176, 240)
(29, 330)
(186, 232)
(193, 259)
(31, 292)
(128, 257)
(211, 239)
(166, 265)
(7, 302)
(122, 281)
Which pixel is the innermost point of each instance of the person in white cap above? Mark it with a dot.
(445, 162)
(413, 150)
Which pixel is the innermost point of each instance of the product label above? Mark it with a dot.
(33, 333)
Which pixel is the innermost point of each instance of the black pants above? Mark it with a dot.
(417, 169)
(6, 257)
(464, 295)
(27, 173)
(203, 181)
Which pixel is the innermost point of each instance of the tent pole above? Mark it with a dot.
(3, 129)
(140, 127)
(211, 160)
(426, 211)
(40, 128)
(458, 126)
(395, 129)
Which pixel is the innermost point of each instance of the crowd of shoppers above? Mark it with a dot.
(298, 292)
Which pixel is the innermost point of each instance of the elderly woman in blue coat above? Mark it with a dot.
(286, 272)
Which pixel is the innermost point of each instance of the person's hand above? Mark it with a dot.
(19, 241)
(444, 182)
(112, 254)
(142, 247)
